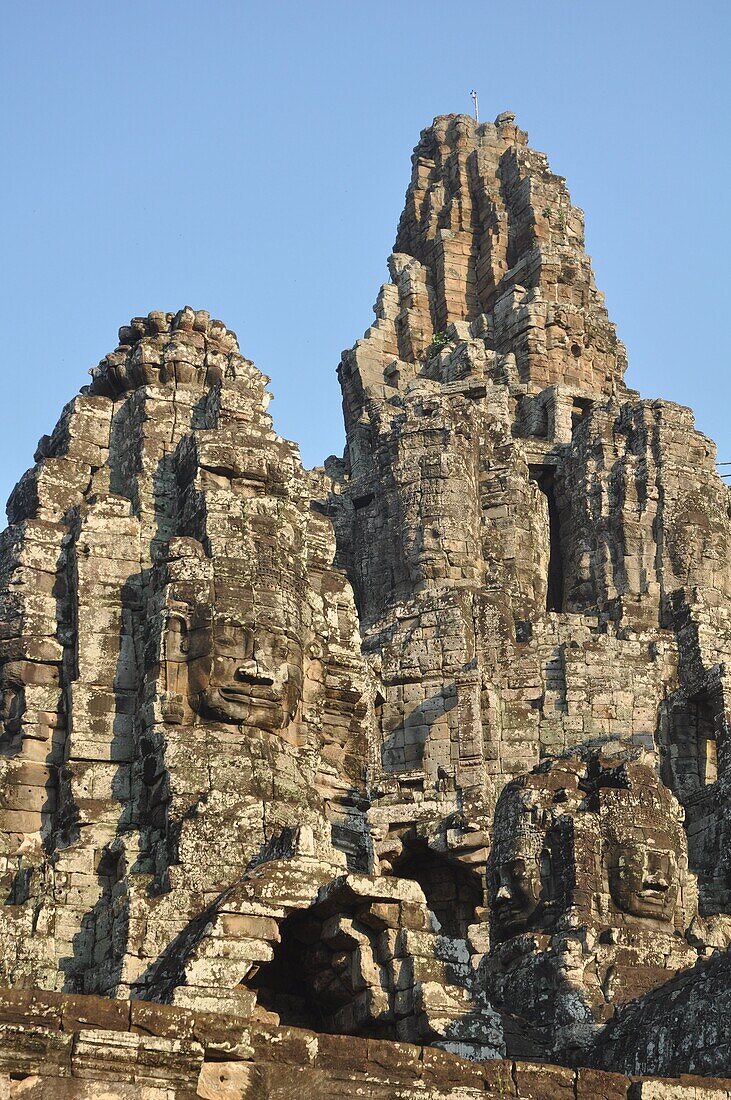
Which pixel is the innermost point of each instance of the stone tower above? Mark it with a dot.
(539, 557)
(429, 745)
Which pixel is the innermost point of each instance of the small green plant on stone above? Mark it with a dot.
(439, 341)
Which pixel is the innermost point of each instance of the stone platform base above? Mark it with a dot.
(55, 1046)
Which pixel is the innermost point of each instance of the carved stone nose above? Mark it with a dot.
(503, 894)
(250, 670)
(246, 670)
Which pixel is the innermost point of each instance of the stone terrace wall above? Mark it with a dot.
(57, 1047)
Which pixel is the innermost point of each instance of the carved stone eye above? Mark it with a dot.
(517, 868)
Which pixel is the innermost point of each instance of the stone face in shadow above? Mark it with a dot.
(589, 890)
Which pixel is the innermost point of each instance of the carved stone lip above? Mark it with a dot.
(505, 912)
(261, 694)
(653, 892)
(245, 681)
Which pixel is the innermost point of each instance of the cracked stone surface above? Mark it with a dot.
(427, 746)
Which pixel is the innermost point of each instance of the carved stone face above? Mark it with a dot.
(245, 671)
(12, 707)
(518, 887)
(515, 891)
(643, 875)
(530, 869)
(441, 513)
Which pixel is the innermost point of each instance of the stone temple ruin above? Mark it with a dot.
(408, 776)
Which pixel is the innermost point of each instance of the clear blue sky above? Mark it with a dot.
(251, 159)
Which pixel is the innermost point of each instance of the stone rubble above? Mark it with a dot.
(429, 746)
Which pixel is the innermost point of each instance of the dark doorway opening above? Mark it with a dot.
(453, 891)
(690, 768)
(282, 985)
(325, 976)
(545, 478)
(692, 746)
(579, 408)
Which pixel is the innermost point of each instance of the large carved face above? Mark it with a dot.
(643, 874)
(520, 875)
(515, 889)
(245, 670)
(12, 706)
(439, 498)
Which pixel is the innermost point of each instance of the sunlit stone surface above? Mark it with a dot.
(429, 746)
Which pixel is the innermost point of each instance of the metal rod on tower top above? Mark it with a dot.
(473, 93)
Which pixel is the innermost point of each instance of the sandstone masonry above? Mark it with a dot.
(429, 746)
